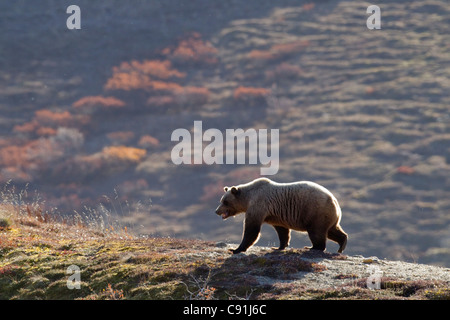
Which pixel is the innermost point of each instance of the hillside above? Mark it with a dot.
(36, 252)
(87, 115)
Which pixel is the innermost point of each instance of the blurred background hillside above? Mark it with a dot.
(87, 115)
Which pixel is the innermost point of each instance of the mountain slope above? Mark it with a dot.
(38, 258)
(87, 117)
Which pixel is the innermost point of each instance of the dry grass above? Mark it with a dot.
(36, 249)
(363, 113)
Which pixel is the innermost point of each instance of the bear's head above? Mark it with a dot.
(231, 203)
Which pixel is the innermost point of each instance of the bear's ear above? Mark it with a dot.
(225, 189)
(235, 191)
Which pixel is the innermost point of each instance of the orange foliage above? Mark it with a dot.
(94, 101)
(290, 47)
(193, 50)
(27, 127)
(16, 162)
(370, 90)
(109, 161)
(13, 156)
(128, 81)
(278, 50)
(249, 93)
(405, 170)
(55, 119)
(45, 122)
(308, 6)
(165, 86)
(45, 131)
(261, 55)
(181, 96)
(122, 153)
(154, 68)
(155, 75)
(142, 75)
(148, 141)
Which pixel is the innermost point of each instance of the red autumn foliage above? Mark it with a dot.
(290, 47)
(193, 50)
(13, 156)
(127, 81)
(98, 101)
(148, 141)
(27, 127)
(123, 154)
(155, 68)
(250, 93)
(165, 86)
(45, 119)
(110, 160)
(370, 90)
(45, 123)
(278, 51)
(54, 119)
(308, 6)
(183, 96)
(33, 159)
(160, 78)
(17, 162)
(405, 170)
(144, 75)
(262, 55)
(45, 131)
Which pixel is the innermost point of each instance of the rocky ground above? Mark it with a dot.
(38, 257)
(362, 112)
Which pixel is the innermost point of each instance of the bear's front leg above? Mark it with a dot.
(251, 234)
(284, 234)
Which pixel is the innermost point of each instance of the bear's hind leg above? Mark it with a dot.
(284, 234)
(338, 235)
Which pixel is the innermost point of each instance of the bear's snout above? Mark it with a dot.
(221, 211)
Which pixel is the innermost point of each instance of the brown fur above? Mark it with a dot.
(302, 206)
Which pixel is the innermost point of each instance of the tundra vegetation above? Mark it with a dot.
(36, 250)
(361, 112)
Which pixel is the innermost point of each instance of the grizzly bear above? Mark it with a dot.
(301, 206)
